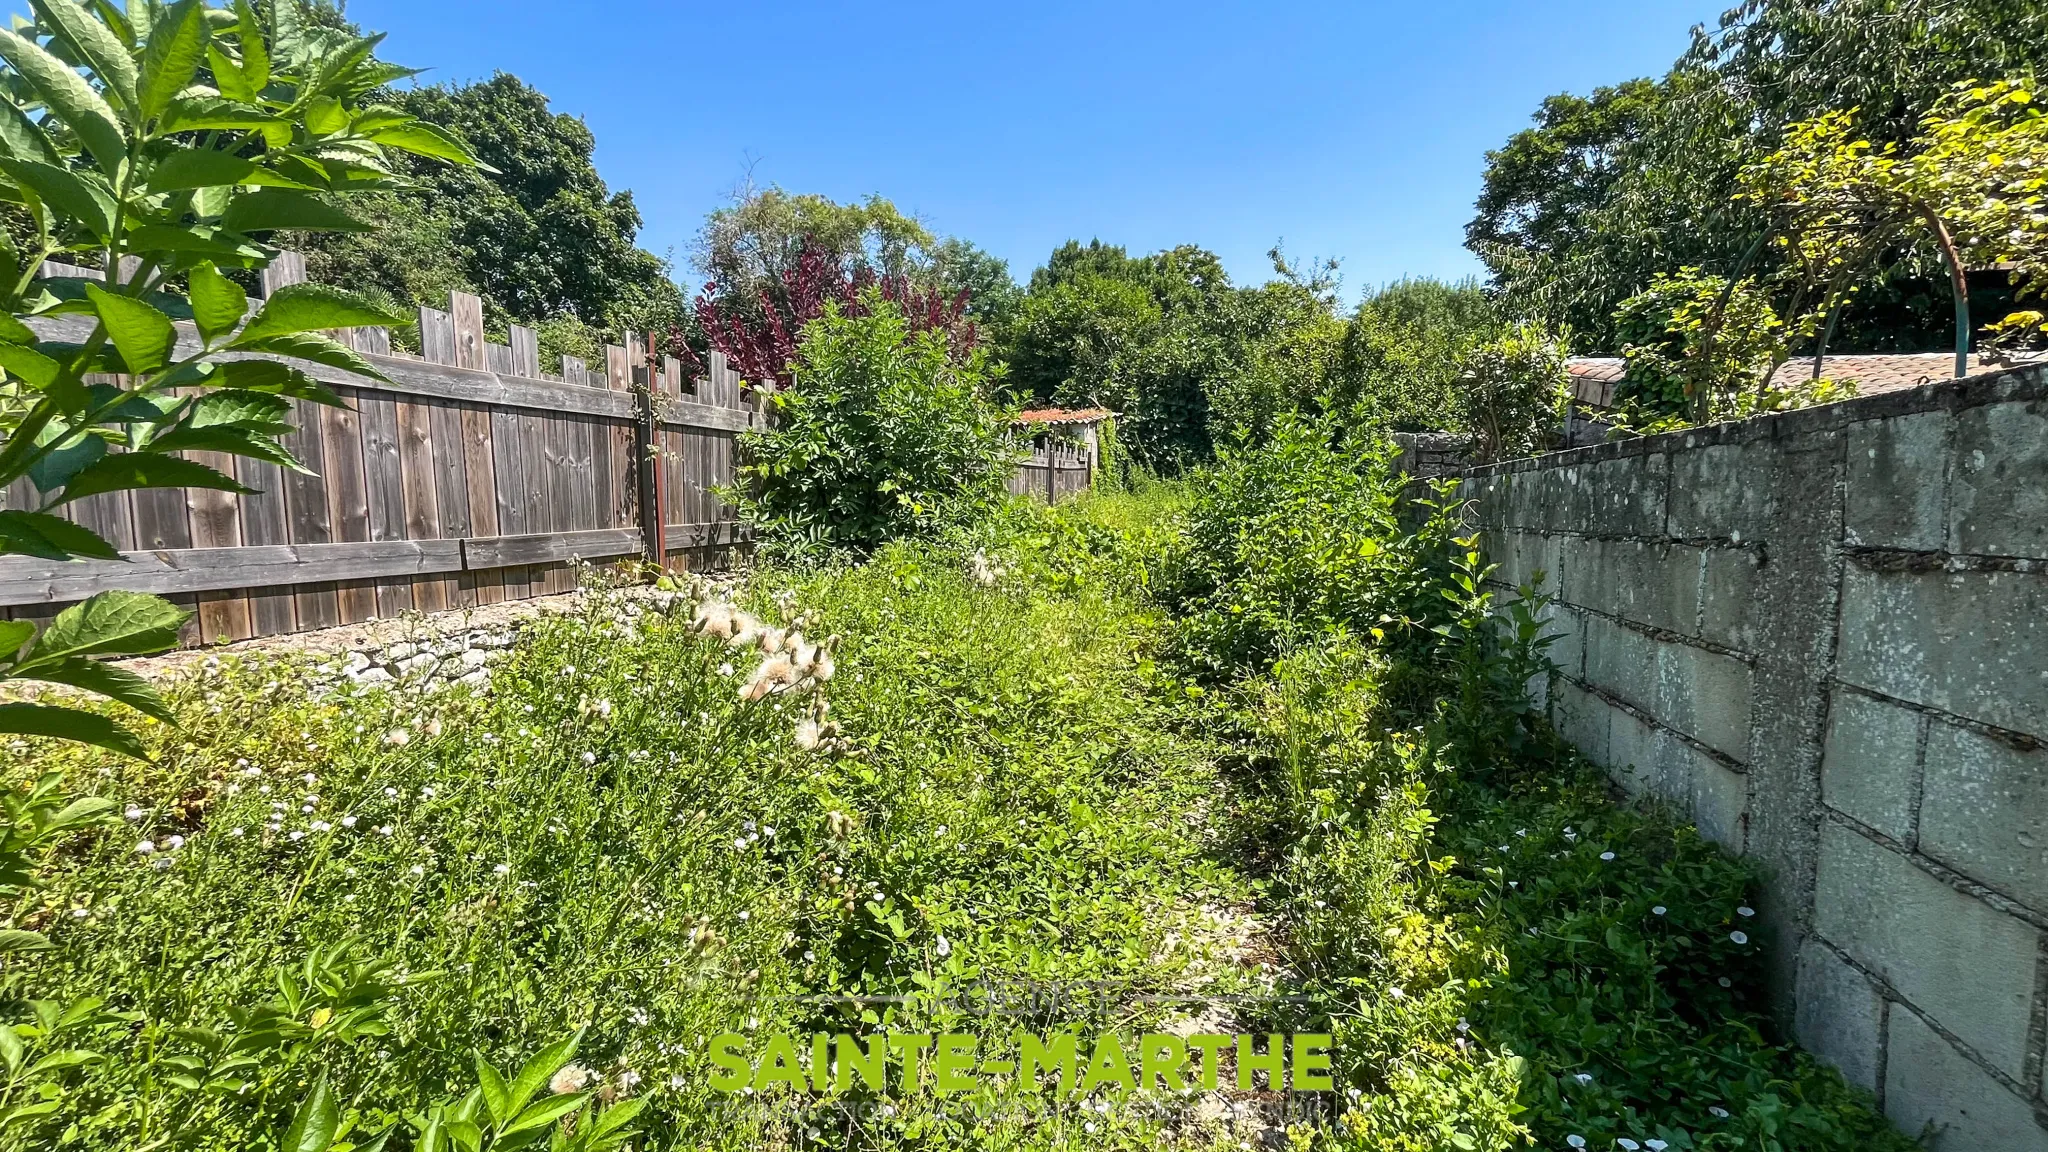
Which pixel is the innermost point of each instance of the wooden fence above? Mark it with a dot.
(472, 477)
(1054, 469)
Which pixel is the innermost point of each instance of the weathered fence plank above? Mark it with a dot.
(462, 477)
(29, 580)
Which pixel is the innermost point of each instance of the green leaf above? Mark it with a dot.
(13, 331)
(29, 364)
(23, 137)
(616, 1117)
(13, 634)
(131, 470)
(72, 194)
(50, 538)
(144, 335)
(67, 724)
(195, 114)
(80, 812)
(497, 1097)
(325, 116)
(200, 240)
(56, 467)
(541, 1069)
(198, 168)
(109, 681)
(233, 441)
(17, 939)
(426, 140)
(95, 42)
(239, 408)
(73, 101)
(218, 303)
(298, 308)
(229, 78)
(177, 46)
(316, 348)
(249, 38)
(313, 1125)
(109, 624)
(68, 1059)
(11, 1049)
(272, 209)
(269, 376)
(546, 1112)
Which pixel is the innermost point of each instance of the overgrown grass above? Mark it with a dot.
(614, 839)
(1039, 789)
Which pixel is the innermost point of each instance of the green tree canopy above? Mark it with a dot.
(1582, 211)
(540, 238)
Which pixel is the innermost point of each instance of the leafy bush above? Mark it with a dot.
(115, 153)
(884, 433)
(1690, 338)
(1398, 368)
(1298, 538)
(1511, 393)
(1507, 957)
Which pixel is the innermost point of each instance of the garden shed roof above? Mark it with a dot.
(1064, 416)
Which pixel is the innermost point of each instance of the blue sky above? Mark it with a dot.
(1349, 130)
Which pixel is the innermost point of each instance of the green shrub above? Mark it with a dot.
(884, 434)
(1690, 338)
(1511, 393)
(1295, 539)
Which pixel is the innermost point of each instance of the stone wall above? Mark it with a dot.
(1823, 636)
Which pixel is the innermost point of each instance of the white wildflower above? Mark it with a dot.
(571, 1078)
(808, 735)
(945, 947)
(1659, 910)
(146, 847)
(348, 821)
(1607, 855)
(1739, 937)
(1745, 911)
(398, 737)
(175, 843)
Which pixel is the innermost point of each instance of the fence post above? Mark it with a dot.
(1052, 474)
(647, 453)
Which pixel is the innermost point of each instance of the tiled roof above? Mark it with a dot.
(1605, 369)
(1877, 374)
(1594, 377)
(1064, 415)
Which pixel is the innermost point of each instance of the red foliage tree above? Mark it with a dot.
(760, 342)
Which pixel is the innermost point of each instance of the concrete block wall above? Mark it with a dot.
(1823, 636)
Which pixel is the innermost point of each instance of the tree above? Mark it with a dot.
(1660, 196)
(114, 151)
(537, 233)
(993, 297)
(750, 246)
(1167, 341)
(762, 340)
(1397, 367)
(1544, 189)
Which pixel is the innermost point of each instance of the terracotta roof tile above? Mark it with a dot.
(1064, 415)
